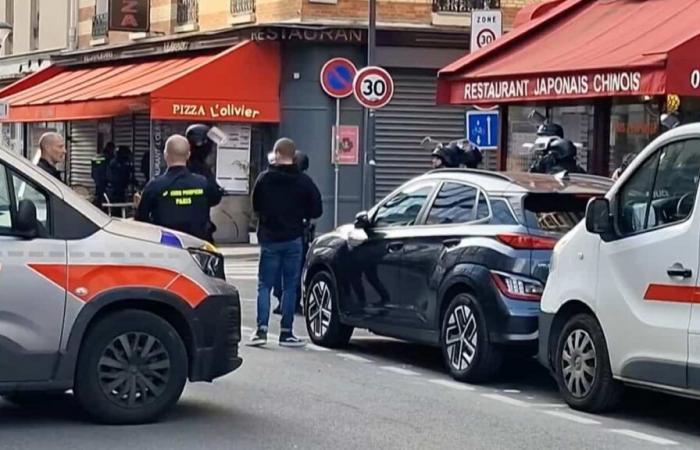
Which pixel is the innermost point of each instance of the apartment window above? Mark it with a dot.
(187, 12)
(463, 6)
(100, 19)
(242, 7)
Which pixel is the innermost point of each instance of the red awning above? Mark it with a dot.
(238, 85)
(583, 49)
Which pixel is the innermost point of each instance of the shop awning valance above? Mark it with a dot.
(582, 49)
(240, 84)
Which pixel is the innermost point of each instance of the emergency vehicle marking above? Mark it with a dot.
(671, 293)
(97, 279)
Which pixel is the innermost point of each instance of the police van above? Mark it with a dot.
(621, 305)
(121, 313)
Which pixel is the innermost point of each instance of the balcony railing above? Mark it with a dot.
(187, 12)
(99, 25)
(463, 6)
(242, 7)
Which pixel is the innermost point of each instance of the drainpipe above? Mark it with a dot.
(73, 13)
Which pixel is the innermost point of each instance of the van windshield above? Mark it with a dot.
(554, 213)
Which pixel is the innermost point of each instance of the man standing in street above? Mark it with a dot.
(53, 152)
(283, 198)
(178, 199)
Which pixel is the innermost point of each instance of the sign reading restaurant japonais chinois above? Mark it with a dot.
(129, 15)
(554, 87)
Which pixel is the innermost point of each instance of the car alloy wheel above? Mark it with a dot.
(320, 309)
(134, 369)
(578, 363)
(461, 337)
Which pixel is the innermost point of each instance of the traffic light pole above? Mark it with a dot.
(369, 163)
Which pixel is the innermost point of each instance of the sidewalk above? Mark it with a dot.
(241, 251)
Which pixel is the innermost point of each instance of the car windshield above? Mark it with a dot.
(555, 213)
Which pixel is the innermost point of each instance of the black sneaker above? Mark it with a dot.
(289, 340)
(258, 339)
(278, 310)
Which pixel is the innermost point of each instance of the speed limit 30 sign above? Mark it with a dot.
(374, 87)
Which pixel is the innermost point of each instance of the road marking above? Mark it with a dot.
(316, 348)
(572, 417)
(645, 437)
(511, 391)
(508, 400)
(350, 357)
(399, 370)
(451, 384)
(548, 405)
(247, 329)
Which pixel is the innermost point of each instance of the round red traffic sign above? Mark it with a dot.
(337, 76)
(374, 87)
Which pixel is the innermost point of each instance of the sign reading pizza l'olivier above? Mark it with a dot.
(129, 15)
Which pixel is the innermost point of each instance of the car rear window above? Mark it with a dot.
(556, 213)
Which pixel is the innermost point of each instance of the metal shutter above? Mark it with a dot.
(83, 147)
(142, 142)
(401, 125)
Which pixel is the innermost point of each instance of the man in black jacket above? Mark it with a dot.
(53, 153)
(283, 198)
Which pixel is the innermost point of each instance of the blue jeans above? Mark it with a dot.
(276, 258)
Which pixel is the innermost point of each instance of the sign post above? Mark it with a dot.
(337, 77)
(487, 26)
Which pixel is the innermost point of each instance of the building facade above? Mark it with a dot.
(415, 38)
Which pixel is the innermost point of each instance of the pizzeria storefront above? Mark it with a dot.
(605, 70)
(139, 103)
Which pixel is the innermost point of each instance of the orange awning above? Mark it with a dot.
(240, 84)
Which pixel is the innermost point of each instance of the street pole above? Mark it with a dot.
(368, 173)
(336, 148)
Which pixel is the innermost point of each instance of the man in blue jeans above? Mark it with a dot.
(283, 198)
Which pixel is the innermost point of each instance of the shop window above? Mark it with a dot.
(577, 122)
(632, 128)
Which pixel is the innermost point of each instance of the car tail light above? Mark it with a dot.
(527, 242)
(518, 288)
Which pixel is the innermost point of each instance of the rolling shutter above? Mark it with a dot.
(402, 125)
(142, 142)
(83, 147)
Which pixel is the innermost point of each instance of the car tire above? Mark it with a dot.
(322, 315)
(466, 350)
(131, 369)
(582, 366)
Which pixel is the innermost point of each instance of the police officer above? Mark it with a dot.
(179, 199)
(202, 148)
(99, 171)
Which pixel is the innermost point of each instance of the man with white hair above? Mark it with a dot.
(179, 199)
(53, 152)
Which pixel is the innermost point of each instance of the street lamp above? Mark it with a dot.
(5, 31)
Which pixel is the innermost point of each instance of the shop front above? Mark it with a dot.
(138, 104)
(605, 71)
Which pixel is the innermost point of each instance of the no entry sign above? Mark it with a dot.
(337, 76)
(374, 87)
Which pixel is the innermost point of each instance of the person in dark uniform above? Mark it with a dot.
(53, 152)
(99, 172)
(179, 199)
(202, 147)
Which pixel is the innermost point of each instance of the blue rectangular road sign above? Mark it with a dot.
(483, 129)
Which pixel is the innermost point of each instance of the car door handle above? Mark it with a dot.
(678, 271)
(395, 247)
(449, 243)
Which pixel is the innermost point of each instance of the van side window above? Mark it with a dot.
(5, 204)
(662, 191)
(25, 190)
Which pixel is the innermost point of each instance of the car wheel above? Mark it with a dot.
(132, 368)
(466, 350)
(582, 366)
(322, 313)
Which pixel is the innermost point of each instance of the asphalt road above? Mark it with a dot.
(377, 394)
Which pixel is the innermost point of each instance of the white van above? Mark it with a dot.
(621, 302)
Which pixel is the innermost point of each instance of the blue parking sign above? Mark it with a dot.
(483, 129)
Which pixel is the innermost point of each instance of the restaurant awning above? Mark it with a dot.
(240, 84)
(584, 49)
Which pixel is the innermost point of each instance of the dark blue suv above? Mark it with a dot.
(454, 258)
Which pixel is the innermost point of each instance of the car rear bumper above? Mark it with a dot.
(218, 328)
(515, 322)
(545, 325)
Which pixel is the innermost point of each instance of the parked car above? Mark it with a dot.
(121, 313)
(455, 258)
(621, 304)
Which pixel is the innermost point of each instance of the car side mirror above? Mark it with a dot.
(362, 220)
(598, 218)
(27, 224)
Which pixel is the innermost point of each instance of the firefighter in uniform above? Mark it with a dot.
(179, 199)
